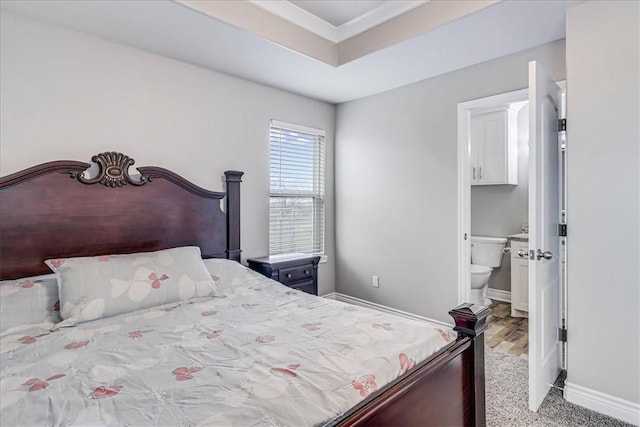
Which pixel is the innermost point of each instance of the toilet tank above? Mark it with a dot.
(487, 250)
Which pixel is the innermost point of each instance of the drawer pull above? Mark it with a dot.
(306, 272)
(288, 275)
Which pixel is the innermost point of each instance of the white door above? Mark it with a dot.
(544, 245)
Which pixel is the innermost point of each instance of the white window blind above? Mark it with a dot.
(296, 212)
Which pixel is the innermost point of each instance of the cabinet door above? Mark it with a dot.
(489, 135)
(475, 133)
(519, 277)
(521, 270)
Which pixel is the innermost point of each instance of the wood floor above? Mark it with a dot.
(507, 334)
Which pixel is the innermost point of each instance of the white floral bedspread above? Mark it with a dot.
(263, 355)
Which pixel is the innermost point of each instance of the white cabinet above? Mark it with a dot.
(494, 146)
(519, 279)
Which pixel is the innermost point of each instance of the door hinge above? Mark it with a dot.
(562, 230)
(562, 125)
(562, 335)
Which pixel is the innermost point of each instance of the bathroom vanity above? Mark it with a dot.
(519, 275)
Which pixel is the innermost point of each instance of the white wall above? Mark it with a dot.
(396, 162)
(603, 207)
(500, 210)
(66, 95)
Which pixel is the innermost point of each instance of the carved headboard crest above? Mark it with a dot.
(113, 171)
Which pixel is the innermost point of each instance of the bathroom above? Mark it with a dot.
(500, 209)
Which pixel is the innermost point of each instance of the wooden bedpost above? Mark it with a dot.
(233, 180)
(471, 321)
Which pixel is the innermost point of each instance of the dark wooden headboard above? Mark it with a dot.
(53, 210)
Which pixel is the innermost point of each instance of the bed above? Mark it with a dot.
(244, 351)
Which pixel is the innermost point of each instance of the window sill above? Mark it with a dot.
(323, 258)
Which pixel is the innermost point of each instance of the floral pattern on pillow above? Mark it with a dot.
(28, 301)
(108, 285)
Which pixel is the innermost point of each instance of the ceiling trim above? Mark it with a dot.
(421, 19)
(382, 14)
(300, 17)
(337, 34)
(254, 17)
(257, 20)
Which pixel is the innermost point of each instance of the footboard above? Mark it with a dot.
(448, 389)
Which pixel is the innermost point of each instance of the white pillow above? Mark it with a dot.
(103, 286)
(28, 301)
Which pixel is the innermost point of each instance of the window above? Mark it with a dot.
(296, 210)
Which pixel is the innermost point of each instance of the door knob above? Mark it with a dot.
(545, 254)
(522, 254)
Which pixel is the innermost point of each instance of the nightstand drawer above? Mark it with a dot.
(306, 286)
(296, 274)
(297, 271)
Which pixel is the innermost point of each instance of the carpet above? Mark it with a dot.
(507, 399)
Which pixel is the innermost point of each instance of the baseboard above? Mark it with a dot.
(604, 403)
(330, 295)
(499, 295)
(383, 308)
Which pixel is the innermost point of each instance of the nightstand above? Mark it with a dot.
(297, 271)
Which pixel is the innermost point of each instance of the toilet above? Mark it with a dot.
(486, 254)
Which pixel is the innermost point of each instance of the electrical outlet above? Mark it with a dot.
(375, 282)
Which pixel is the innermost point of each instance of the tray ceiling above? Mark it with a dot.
(396, 52)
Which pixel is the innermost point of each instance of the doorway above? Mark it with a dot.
(465, 176)
(554, 299)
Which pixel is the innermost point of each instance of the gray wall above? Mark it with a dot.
(66, 95)
(396, 162)
(603, 164)
(500, 210)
